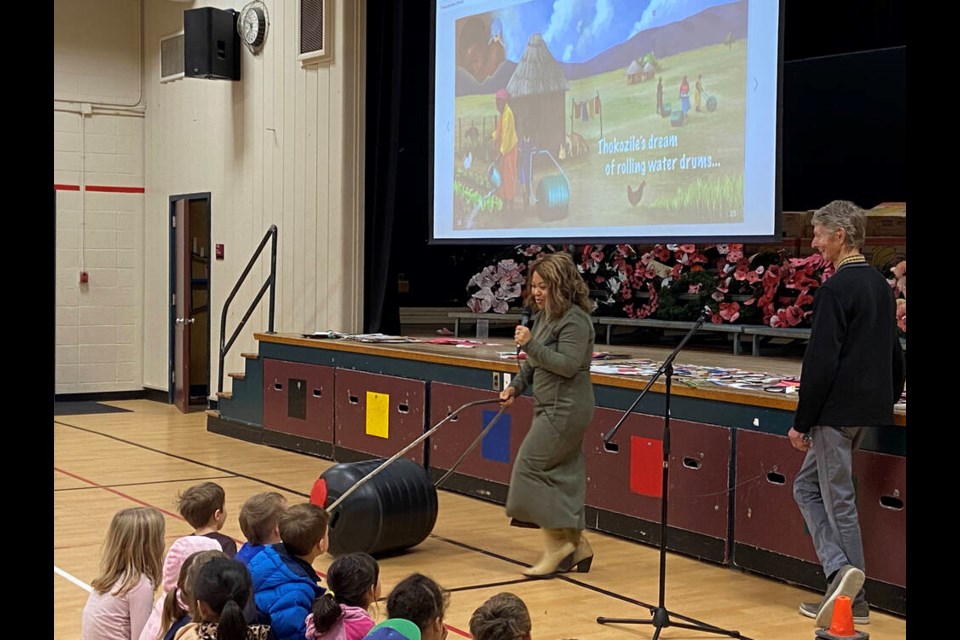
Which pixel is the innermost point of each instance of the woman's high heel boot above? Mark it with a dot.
(557, 547)
(582, 557)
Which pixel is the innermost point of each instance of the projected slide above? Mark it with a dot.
(603, 119)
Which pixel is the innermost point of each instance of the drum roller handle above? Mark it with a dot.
(426, 435)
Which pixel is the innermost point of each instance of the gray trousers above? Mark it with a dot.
(825, 494)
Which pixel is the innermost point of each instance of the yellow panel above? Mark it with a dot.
(378, 414)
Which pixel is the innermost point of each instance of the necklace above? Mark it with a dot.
(851, 260)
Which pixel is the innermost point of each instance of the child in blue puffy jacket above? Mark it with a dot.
(284, 581)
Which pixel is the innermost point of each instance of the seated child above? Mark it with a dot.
(221, 589)
(502, 617)
(122, 595)
(285, 583)
(176, 558)
(202, 506)
(342, 612)
(420, 600)
(177, 605)
(260, 523)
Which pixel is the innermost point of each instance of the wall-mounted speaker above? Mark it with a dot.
(211, 44)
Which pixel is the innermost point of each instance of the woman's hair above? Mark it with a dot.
(223, 585)
(418, 599)
(133, 547)
(566, 285)
(502, 617)
(350, 578)
(200, 560)
(843, 214)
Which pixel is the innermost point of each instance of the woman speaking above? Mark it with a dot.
(548, 482)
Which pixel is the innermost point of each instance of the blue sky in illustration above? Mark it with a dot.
(577, 30)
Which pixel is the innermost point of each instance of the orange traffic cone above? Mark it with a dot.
(841, 626)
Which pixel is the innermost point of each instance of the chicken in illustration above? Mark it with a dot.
(634, 195)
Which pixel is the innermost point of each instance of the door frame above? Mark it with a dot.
(172, 288)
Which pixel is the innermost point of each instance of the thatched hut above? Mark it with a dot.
(538, 94)
(648, 71)
(633, 72)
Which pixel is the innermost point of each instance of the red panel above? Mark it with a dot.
(766, 515)
(316, 420)
(646, 466)
(406, 413)
(881, 482)
(699, 471)
(453, 438)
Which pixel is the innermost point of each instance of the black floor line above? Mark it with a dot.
(457, 543)
(134, 484)
(184, 458)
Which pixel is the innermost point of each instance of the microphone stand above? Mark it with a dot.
(660, 615)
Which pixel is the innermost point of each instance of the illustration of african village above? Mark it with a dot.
(600, 114)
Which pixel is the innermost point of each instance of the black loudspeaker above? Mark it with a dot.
(211, 44)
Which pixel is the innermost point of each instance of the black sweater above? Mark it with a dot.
(853, 368)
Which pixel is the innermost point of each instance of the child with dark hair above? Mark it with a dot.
(353, 582)
(177, 557)
(260, 523)
(203, 507)
(177, 604)
(285, 583)
(502, 617)
(422, 601)
(221, 589)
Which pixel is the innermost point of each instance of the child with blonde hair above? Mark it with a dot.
(130, 570)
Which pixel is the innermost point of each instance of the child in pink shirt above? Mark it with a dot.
(130, 570)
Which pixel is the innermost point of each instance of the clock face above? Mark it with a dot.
(252, 27)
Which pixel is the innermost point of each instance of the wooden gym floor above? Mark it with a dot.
(106, 462)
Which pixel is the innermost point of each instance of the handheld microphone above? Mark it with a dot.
(524, 321)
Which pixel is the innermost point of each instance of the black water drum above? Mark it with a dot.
(395, 510)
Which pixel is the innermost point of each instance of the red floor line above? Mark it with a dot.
(119, 493)
(457, 631)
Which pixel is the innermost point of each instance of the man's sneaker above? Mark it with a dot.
(861, 611)
(847, 582)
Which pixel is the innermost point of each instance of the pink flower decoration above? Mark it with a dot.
(729, 311)
(694, 288)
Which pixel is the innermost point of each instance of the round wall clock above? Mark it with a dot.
(252, 25)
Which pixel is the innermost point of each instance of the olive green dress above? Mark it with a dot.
(548, 481)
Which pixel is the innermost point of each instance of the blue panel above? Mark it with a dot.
(496, 444)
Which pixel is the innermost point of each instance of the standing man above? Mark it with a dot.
(660, 96)
(853, 374)
(505, 138)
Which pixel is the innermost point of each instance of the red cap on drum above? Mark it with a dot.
(318, 495)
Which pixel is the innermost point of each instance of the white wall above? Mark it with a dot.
(282, 146)
(98, 324)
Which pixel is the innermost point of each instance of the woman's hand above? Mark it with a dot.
(521, 335)
(507, 395)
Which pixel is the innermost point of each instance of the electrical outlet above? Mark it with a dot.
(506, 380)
(496, 381)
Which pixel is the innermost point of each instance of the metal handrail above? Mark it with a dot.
(271, 282)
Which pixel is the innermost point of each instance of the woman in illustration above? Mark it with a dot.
(698, 92)
(684, 96)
